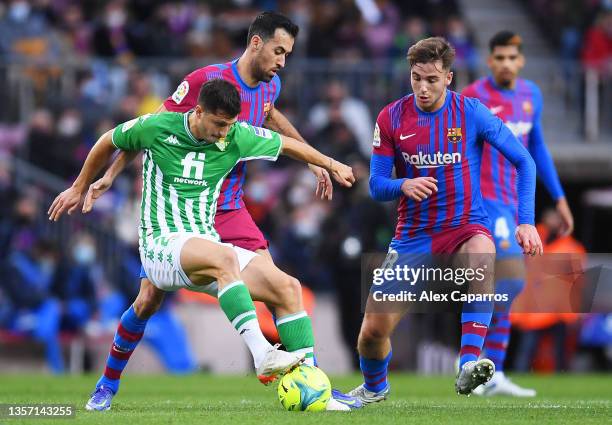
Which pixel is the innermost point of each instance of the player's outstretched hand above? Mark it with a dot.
(528, 238)
(420, 188)
(69, 200)
(96, 189)
(325, 189)
(343, 174)
(566, 217)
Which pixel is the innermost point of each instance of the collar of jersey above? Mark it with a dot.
(239, 79)
(500, 88)
(437, 111)
(189, 133)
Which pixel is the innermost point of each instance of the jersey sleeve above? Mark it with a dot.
(256, 142)
(492, 129)
(185, 97)
(382, 143)
(469, 91)
(539, 152)
(382, 186)
(136, 134)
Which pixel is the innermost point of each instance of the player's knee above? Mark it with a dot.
(479, 244)
(226, 265)
(289, 290)
(371, 334)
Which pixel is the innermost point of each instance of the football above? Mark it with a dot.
(305, 388)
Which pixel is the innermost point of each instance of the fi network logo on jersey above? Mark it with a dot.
(172, 140)
(432, 160)
(193, 169)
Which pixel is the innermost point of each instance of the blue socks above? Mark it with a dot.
(375, 372)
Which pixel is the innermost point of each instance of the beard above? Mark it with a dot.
(259, 73)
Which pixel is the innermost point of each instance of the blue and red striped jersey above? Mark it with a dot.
(520, 109)
(257, 102)
(445, 144)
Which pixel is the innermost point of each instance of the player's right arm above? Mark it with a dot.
(494, 131)
(382, 186)
(121, 161)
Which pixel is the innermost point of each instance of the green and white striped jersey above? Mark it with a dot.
(182, 176)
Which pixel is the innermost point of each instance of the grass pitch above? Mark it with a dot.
(208, 399)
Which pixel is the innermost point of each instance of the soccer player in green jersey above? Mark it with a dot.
(187, 156)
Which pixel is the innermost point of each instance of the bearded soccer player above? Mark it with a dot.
(518, 102)
(270, 40)
(434, 138)
(187, 157)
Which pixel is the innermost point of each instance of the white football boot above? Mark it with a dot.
(276, 363)
(366, 396)
(500, 384)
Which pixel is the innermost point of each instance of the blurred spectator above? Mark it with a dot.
(463, 41)
(551, 290)
(25, 33)
(74, 284)
(77, 32)
(339, 107)
(413, 29)
(148, 102)
(597, 45)
(380, 35)
(110, 36)
(41, 143)
(27, 281)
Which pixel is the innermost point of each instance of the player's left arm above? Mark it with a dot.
(493, 130)
(277, 122)
(295, 149)
(546, 167)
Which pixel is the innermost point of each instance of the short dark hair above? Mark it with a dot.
(431, 50)
(266, 24)
(506, 38)
(219, 96)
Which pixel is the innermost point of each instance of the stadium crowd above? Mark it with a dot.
(66, 287)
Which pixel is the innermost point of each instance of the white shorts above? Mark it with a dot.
(162, 262)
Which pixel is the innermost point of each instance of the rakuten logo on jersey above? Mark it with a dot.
(432, 160)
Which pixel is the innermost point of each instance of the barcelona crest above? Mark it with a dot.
(454, 135)
(267, 108)
(527, 107)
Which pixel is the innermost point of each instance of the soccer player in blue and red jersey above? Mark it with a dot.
(518, 102)
(270, 40)
(434, 138)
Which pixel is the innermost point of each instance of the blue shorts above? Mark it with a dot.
(424, 251)
(503, 225)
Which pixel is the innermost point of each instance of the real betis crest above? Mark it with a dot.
(222, 144)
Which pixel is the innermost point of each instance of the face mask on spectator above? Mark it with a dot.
(84, 253)
(115, 18)
(299, 195)
(69, 126)
(258, 191)
(306, 227)
(19, 11)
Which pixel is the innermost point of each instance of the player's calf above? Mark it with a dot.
(149, 299)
